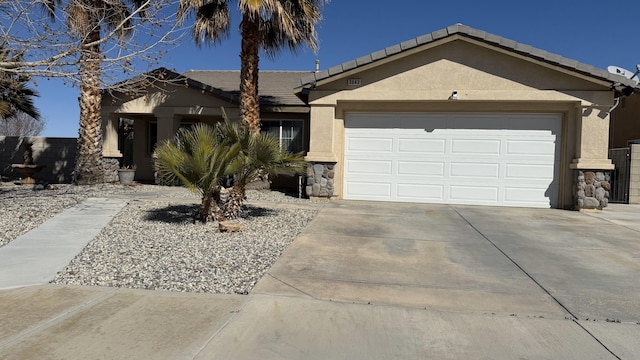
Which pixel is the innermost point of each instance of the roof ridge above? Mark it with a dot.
(466, 31)
(261, 71)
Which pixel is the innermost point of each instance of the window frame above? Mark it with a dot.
(302, 129)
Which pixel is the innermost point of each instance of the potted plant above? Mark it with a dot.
(126, 174)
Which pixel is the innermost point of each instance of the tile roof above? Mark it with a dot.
(275, 87)
(465, 31)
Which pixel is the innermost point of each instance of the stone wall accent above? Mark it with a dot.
(320, 177)
(592, 189)
(111, 166)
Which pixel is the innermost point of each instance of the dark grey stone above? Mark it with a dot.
(318, 169)
(600, 194)
(309, 190)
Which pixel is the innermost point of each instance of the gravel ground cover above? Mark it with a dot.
(22, 208)
(153, 243)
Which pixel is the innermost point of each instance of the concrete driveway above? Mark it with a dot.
(528, 262)
(376, 281)
(577, 269)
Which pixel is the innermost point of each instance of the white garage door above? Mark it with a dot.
(480, 159)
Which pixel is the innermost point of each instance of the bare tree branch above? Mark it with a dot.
(21, 124)
(51, 50)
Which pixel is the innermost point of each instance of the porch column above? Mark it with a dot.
(592, 166)
(323, 153)
(110, 136)
(168, 124)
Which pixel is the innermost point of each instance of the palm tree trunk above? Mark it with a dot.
(89, 168)
(249, 58)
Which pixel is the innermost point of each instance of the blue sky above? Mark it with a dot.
(598, 33)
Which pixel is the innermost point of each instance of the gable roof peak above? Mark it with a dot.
(470, 33)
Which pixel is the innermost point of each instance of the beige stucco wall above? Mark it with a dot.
(487, 80)
(170, 107)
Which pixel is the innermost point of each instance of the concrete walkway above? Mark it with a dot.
(375, 281)
(35, 257)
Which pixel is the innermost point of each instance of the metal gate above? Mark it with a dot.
(621, 158)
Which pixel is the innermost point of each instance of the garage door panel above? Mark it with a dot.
(420, 192)
(377, 167)
(526, 196)
(422, 146)
(358, 189)
(531, 148)
(529, 172)
(370, 144)
(475, 147)
(421, 168)
(475, 170)
(480, 159)
(471, 194)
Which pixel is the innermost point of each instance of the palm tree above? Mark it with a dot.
(260, 153)
(86, 19)
(15, 96)
(203, 156)
(199, 159)
(268, 24)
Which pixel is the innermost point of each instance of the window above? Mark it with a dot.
(289, 132)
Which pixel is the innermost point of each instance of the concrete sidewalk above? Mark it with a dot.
(374, 281)
(34, 258)
(55, 322)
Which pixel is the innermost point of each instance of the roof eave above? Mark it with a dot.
(456, 32)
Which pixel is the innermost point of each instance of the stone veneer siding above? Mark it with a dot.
(320, 179)
(111, 166)
(592, 189)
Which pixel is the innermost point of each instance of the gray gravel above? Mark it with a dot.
(153, 243)
(22, 208)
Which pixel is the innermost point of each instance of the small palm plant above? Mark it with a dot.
(259, 154)
(201, 157)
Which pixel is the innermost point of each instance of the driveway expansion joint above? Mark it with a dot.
(572, 317)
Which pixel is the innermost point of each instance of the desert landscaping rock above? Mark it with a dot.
(154, 243)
